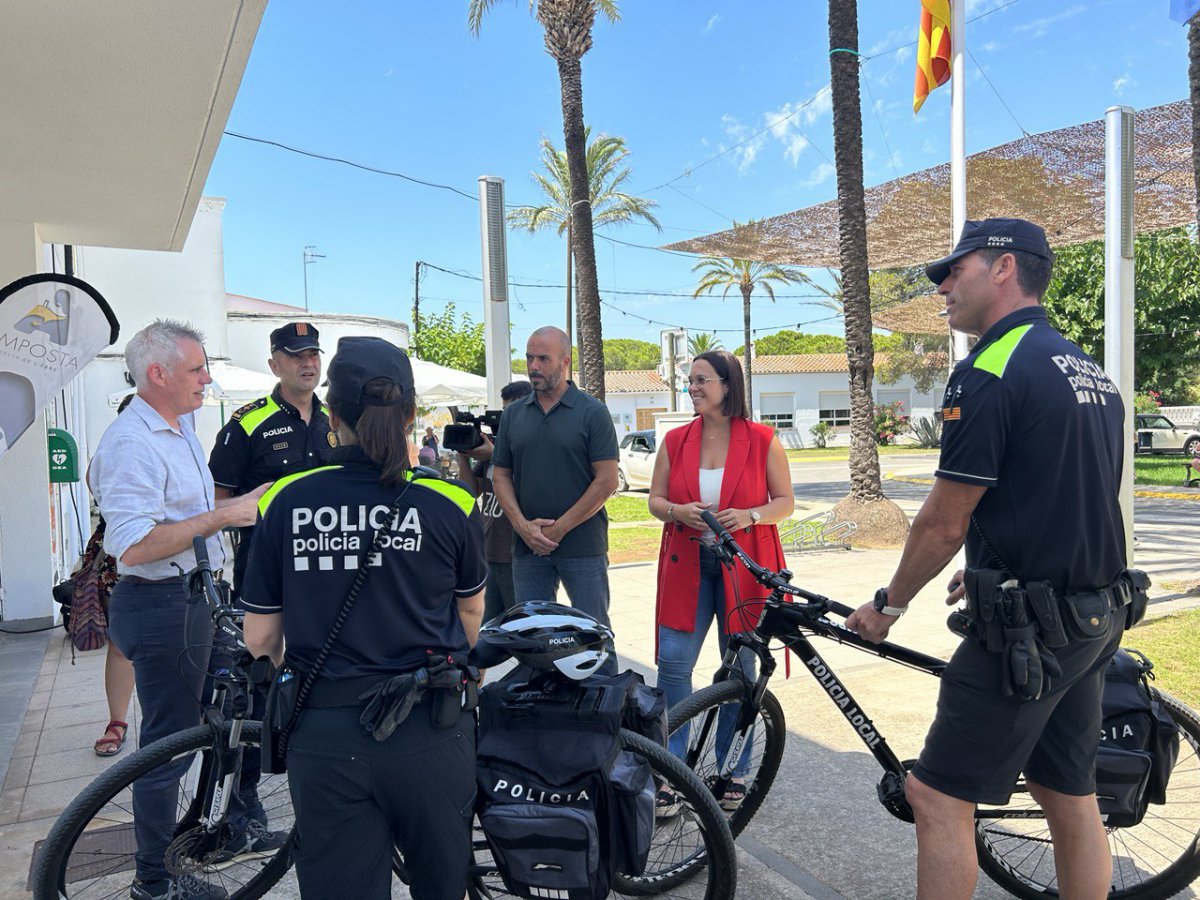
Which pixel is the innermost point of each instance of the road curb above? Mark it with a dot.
(1193, 496)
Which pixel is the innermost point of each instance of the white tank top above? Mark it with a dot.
(710, 493)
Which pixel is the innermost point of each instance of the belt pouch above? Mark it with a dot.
(1139, 587)
(1087, 614)
(982, 589)
(1044, 603)
(277, 715)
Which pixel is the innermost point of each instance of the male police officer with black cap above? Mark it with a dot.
(1029, 472)
(277, 435)
(274, 436)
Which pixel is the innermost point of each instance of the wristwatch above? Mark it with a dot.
(755, 515)
(881, 605)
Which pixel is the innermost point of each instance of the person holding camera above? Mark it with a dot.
(475, 471)
(1047, 591)
(360, 791)
(553, 469)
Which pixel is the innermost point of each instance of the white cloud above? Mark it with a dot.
(1041, 27)
(989, 47)
(712, 23)
(746, 153)
(819, 175)
(1122, 84)
(784, 125)
(984, 6)
(894, 38)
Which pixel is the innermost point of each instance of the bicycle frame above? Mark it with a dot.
(788, 623)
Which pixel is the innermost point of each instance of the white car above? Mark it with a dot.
(1158, 434)
(635, 462)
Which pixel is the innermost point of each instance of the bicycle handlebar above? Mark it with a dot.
(776, 581)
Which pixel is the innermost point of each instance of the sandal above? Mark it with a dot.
(666, 804)
(112, 741)
(735, 793)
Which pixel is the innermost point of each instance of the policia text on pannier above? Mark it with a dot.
(1139, 742)
(1027, 622)
(563, 807)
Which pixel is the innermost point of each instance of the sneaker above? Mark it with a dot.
(666, 804)
(255, 842)
(184, 887)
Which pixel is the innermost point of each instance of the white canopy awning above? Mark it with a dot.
(442, 386)
(436, 385)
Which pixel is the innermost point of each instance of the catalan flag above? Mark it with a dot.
(933, 49)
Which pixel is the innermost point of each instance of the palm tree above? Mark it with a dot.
(702, 343)
(745, 275)
(607, 174)
(568, 31)
(865, 484)
(1194, 90)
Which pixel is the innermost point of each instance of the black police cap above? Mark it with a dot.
(295, 337)
(362, 359)
(996, 234)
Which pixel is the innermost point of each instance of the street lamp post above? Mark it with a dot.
(310, 256)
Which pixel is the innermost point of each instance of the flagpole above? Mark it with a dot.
(958, 141)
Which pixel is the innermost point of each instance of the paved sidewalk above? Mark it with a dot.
(821, 835)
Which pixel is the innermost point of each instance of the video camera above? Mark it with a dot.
(466, 432)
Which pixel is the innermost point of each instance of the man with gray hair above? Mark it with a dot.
(151, 480)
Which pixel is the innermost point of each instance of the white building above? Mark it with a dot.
(792, 393)
(109, 146)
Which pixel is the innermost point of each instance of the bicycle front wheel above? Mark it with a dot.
(707, 720)
(89, 853)
(1153, 860)
(692, 856)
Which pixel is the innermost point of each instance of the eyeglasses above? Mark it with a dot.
(702, 380)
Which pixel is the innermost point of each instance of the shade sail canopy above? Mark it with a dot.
(1055, 179)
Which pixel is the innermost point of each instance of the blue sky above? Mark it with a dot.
(405, 87)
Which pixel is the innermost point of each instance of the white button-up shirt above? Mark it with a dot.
(146, 473)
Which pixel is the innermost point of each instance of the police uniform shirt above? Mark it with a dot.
(314, 529)
(267, 439)
(1031, 417)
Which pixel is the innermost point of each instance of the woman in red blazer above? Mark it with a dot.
(737, 469)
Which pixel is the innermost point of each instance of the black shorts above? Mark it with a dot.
(980, 741)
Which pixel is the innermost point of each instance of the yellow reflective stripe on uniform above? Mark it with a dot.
(265, 500)
(995, 358)
(256, 417)
(460, 497)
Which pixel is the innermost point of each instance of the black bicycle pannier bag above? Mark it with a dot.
(562, 806)
(1139, 743)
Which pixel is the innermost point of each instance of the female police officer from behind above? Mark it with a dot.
(356, 796)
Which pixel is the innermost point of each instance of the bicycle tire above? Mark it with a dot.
(1019, 858)
(700, 709)
(670, 872)
(70, 868)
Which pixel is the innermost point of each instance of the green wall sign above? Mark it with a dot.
(64, 456)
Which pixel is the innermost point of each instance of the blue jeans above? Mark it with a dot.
(167, 635)
(679, 650)
(584, 577)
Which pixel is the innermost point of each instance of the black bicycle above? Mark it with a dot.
(89, 852)
(733, 733)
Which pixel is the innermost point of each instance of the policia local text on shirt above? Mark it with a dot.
(422, 600)
(1044, 534)
(277, 435)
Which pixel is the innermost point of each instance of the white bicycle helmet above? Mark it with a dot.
(546, 636)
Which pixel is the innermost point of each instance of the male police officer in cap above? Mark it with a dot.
(277, 435)
(263, 441)
(1029, 472)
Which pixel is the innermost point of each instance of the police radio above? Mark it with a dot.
(466, 432)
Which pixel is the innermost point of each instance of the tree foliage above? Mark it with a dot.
(630, 353)
(607, 175)
(746, 275)
(1166, 308)
(702, 343)
(449, 341)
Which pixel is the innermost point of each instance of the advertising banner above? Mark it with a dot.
(51, 326)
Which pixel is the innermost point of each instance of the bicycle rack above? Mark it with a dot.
(817, 532)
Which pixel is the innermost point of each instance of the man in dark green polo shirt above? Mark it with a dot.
(554, 466)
